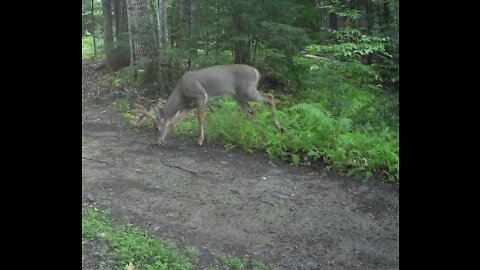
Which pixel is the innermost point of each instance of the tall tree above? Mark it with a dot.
(241, 33)
(241, 45)
(121, 53)
(165, 63)
(161, 13)
(333, 20)
(143, 48)
(108, 31)
(185, 31)
(92, 31)
(369, 16)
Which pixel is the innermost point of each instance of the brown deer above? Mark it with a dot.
(195, 88)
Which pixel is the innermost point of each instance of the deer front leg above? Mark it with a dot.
(201, 119)
(176, 119)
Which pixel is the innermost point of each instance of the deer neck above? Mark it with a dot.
(173, 105)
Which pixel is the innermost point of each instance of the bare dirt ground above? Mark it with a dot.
(229, 201)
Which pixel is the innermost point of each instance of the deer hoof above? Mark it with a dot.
(200, 143)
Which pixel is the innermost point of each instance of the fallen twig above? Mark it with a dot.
(178, 167)
(269, 203)
(101, 161)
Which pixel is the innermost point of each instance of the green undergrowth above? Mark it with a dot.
(130, 247)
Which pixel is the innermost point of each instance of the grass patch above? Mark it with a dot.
(123, 246)
(130, 245)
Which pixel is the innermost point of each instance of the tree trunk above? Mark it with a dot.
(116, 17)
(122, 16)
(165, 64)
(333, 21)
(379, 15)
(386, 12)
(217, 32)
(241, 47)
(183, 19)
(192, 31)
(108, 32)
(186, 28)
(144, 50)
(369, 16)
(92, 31)
(173, 26)
(161, 12)
(121, 51)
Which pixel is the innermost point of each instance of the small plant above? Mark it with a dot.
(122, 105)
(116, 81)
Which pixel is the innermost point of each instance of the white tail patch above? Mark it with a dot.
(257, 74)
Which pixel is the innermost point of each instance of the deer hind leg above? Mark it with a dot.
(201, 107)
(270, 100)
(198, 98)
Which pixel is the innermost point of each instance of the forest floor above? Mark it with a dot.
(230, 201)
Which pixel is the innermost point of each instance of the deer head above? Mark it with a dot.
(160, 123)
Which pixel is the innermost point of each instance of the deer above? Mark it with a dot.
(196, 88)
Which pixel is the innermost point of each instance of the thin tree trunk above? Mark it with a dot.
(241, 48)
(379, 15)
(130, 32)
(121, 51)
(182, 24)
(192, 31)
(217, 45)
(186, 23)
(116, 17)
(161, 29)
(93, 35)
(255, 46)
(161, 12)
(108, 32)
(173, 26)
(386, 12)
(333, 21)
(369, 16)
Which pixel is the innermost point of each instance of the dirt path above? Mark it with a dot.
(234, 202)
